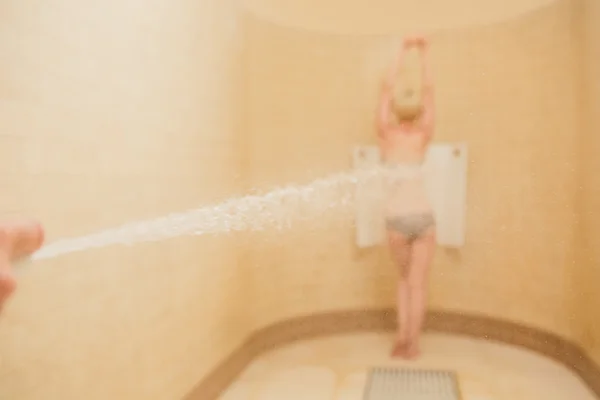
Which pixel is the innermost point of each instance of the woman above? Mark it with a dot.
(17, 240)
(409, 216)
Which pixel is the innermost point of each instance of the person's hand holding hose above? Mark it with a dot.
(18, 239)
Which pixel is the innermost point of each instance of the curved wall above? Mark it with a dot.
(590, 188)
(389, 16)
(510, 89)
(110, 112)
(118, 112)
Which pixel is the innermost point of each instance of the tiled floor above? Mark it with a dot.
(335, 369)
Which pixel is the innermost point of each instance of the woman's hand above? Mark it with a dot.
(415, 41)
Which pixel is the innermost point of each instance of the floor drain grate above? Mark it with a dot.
(411, 384)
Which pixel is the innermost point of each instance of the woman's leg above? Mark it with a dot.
(421, 257)
(400, 248)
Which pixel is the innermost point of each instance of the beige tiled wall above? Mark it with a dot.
(590, 193)
(509, 89)
(110, 112)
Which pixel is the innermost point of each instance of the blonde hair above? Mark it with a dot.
(407, 111)
(408, 91)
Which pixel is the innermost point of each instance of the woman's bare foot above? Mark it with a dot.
(399, 349)
(406, 349)
(412, 351)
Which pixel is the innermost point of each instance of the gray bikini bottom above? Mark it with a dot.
(412, 226)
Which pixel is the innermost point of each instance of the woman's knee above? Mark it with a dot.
(417, 275)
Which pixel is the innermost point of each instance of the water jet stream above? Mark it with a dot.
(276, 209)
